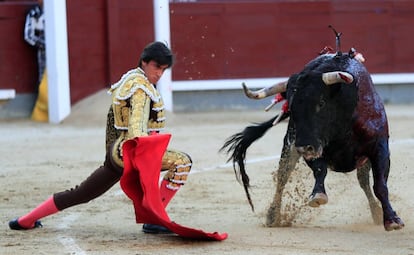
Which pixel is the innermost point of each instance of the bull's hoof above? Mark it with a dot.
(393, 224)
(317, 199)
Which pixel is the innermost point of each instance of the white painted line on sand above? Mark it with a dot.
(68, 242)
(212, 168)
(230, 164)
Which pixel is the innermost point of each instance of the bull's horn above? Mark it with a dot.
(265, 92)
(336, 77)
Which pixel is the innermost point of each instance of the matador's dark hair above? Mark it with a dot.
(159, 52)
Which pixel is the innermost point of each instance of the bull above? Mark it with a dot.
(337, 121)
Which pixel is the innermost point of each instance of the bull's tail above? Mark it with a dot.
(237, 145)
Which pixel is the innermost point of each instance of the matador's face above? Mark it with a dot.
(153, 70)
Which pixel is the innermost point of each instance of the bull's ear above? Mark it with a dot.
(336, 77)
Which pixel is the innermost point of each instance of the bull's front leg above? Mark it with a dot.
(318, 196)
(380, 168)
(288, 159)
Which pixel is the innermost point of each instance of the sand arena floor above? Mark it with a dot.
(40, 159)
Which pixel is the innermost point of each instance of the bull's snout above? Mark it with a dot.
(309, 152)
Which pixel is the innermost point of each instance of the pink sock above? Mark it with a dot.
(166, 193)
(46, 208)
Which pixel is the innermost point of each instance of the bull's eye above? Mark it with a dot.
(320, 105)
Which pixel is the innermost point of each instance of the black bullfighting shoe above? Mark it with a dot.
(155, 229)
(14, 224)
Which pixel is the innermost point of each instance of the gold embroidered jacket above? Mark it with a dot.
(137, 109)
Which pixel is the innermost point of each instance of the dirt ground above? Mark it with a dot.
(39, 159)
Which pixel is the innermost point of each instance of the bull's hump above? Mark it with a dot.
(336, 62)
(356, 68)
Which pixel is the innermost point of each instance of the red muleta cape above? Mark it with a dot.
(142, 163)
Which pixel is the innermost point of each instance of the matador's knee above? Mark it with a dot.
(178, 170)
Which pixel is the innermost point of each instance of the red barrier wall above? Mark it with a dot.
(276, 38)
(105, 39)
(18, 64)
(211, 39)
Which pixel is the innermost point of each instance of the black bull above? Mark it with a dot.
(338, 124)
